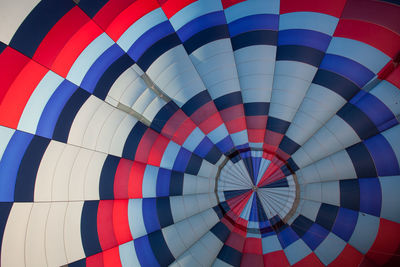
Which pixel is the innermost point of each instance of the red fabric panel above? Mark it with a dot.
(184, 131)
(171, 7)
(203, 113)
(95, 260)
(229, 3)
(394, 77)
(145, 145)
(111, 258)
(121, 180)
(377, 36)
(121, 222)
(136, 180)
(59, 35)
(236, 125)
(253, 260)
(386, 243)
(232, 113)
(109, 11)
(333, 8)
(129, 16)
(256, 135)
(256, 122)
(350, 257)
(253, 246)
(173, 123)
(310, 260)
(157, 151)
(276, 259)
(105, 226)
(235, 241)
(212, 123)
(273, 139)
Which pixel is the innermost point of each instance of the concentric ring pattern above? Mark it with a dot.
(199, 133)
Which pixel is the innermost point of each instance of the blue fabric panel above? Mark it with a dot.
(256, 166)
(301, 225)
(89, 235)
(350, 194)
(370, 196)
(292, 165)
(160, 248)
(280, 183)
(256, 109)
(182, 160)
(26, 177)
(150, 217)
(230, 256)
(156, 50)
(277, 125)
(218, 211)
(287, 237)
(225, 145)
(196, 102)
(362, 160)
(301, 37)
(221, 231)
(354, 71)
(176, 184)
(253, 212)
(79, 263)
(383, 156)
(234, 193)
(91, 7)
(194, 165)
(150, 38)
(213, 155)
(314, 236)
(249, 166)
(337, 83)
(37, 24)
(144, 252)
(257, 37)
(253, 23)
(206, 36)
(162, 117)
(286, 170)
(133, 140)
(10, 163)
(298, 53)
(106, 183)
(67, 116)
(5, 208)
(163, 182)
(204, 147)
(327, 215)
(54, 107)
(288, 145)
(345, 223)
(2, 47)
(262, 217)
(201, 23)
(164, 211)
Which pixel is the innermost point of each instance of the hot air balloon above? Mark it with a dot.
(199, 133)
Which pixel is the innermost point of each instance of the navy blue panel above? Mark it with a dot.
(160, 248)
(150, 217)
(337, 83)
(111, 75)
(258, 37)
(370, 196)
(91, 7)
(213, 155)
(194, 165)
(106, 183)
(362, 160)
(164, 211)
(221, 231)
(229, 100)
(327, 215)
(293, 166)
(256, 109)
(301, 225)
(277, 125)
(2, 47)
(25, 184)
(230, 256)
(286, 171)
(90, 238)
(145, 252)
(133, 140)
(5, 208)
(219, 211)
(300, 53)
(80, 263)
(182, 160)
(196, 102)
(262, 216)
(302, 37)
(249, 166)
(234, 193)
(68, 114)
(157, 50)
(280, 183)
(163, 182)
(163, 116)
(176, 184)
(314, 236)
(345, 223)
(38, 23)
(350, 194)
(288, 145)
(357, 119)
(206, 36)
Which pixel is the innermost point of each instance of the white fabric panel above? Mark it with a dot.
(309, 209)
(133, 92)
(220, 263)
(122, 83)
(153, 108)
(107, 133)
(143, 101)
(93, 176)
(312, 192)
(365, 232)
(72, 232)
(173, 240)
(297, 251)
(12, 14)
(331, 193)
(121, 133)
(207, 170)
(330, 248)
(14, 238)
(390, 186)
(197, 185)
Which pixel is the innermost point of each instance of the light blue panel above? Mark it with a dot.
(218, 134)
(169, 156)
(88, 56)
(263, 167)
(392, 136)
(220, 263)
(194, 139)
(307, 20)
(389, 95)
(150, 181)
(256, 145)
(295, 69)
(356, 51)
(240, 138)
(270, 244)
(257, 94)
(297, 251)
(246, 211)
(127, 254)
(193, 11)
(37, 102)
(251, 7)
(390, 186)
(330, 248)
(365, 232)
(5, 136)
(135, 218)
(142, 25)
(144, 101)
